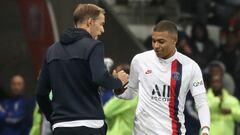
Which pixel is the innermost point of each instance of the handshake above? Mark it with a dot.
(123, 76)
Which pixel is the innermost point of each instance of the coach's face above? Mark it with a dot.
(164, 44)
(96, 27)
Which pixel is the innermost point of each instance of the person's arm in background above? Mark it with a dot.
(198, 92)
(43, 90)
(100, 75)
(131, 89)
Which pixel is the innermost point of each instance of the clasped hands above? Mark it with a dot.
(123, 76)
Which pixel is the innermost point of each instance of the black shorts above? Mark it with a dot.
(80, 131)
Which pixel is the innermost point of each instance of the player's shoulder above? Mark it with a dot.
(185, 60)
(144, 55)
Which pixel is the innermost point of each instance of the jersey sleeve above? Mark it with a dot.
(132, 87)
(196, 84)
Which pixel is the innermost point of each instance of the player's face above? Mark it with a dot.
(163, 44)
(96, 28)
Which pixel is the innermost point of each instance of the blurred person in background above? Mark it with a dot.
(73, 69)
(218, 68)
(14, 112)
(224, 108)
(120, 113)
(203, 48)
(183, 44)
(229, 53)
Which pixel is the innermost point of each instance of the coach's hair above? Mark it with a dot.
(85, 11)
(166, 25)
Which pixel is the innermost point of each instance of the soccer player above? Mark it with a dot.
(74, 69)
(161, 78)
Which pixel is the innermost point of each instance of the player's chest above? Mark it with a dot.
(164, 75)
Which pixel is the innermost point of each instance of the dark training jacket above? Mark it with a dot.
(74, 69)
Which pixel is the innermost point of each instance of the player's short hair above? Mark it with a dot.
(166, 25)
(85, 11)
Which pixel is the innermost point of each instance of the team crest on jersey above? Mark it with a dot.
(176, 76)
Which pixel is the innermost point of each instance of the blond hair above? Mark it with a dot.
(84, 11)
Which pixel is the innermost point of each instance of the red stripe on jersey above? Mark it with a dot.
(172, 98)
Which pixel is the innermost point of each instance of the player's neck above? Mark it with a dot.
(170, 54)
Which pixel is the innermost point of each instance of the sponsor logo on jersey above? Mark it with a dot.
(199, 83)
(148, 71)
(161, 95)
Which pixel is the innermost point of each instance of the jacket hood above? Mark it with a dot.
(72, 35)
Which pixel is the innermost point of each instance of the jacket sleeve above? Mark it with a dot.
(100, 75)
(43, 90)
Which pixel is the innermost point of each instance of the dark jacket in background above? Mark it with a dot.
(74, 69)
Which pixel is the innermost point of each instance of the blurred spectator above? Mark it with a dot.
(230, 53)
(15, 111)
(120, 113)
(218, 68)
(183, 44)
(224, 108)
(203, 48)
